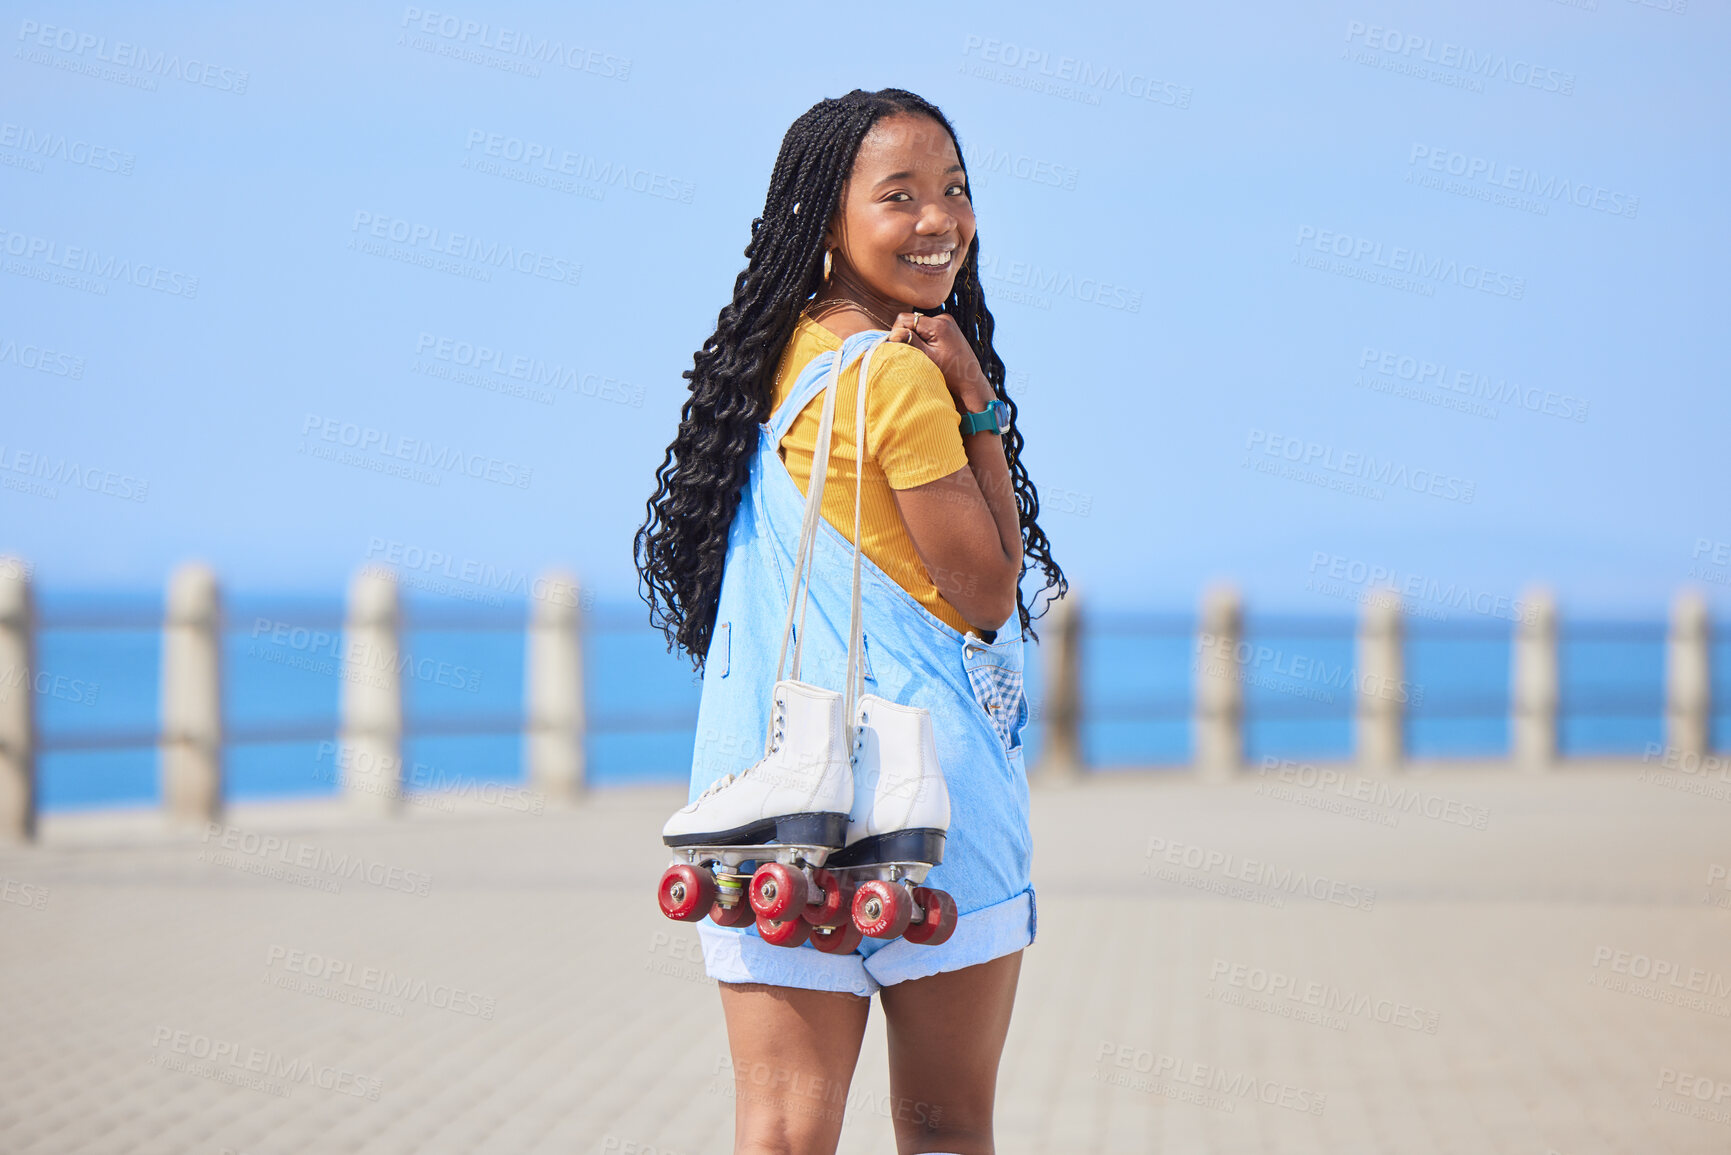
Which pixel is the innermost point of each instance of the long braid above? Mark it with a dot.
(681, 547)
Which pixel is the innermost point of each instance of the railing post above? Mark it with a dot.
(1061, 710)
(554, 743)
(191, 740)
(1381, 711)
(372, 695)
(17, 702)
(1688, 686)
(1534, 708)
(1219, 711)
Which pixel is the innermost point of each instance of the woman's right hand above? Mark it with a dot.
(950, 352)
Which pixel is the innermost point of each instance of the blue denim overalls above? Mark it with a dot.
(972, 689)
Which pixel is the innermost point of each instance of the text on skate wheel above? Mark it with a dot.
(882, 909)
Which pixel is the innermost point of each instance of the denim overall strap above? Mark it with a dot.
(810, 381)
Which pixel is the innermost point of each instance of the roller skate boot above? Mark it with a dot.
(748, 847)
(896, 831)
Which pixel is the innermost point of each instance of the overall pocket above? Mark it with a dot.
(998, 690)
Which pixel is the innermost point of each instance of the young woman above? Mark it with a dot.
(868, 228)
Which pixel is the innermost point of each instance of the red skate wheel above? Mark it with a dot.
(686, 893)
(939, 921)
(739, 914)
(882, 909)
(778, 891)
(793, 932)
(833, 906)
(843, 938)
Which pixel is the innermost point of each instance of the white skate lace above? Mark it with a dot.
(730, 778)
(720, 783)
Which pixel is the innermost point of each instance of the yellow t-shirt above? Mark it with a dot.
(913, 436)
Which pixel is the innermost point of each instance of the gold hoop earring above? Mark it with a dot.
(826, 263)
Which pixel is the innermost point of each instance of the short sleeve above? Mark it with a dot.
(912, 427)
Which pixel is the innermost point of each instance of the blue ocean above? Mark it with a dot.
(99, 656)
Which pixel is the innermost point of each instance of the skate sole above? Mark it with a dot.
(898, 846)
(813, 829)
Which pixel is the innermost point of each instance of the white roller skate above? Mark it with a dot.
(789, 810)
(896, 830)
(769, 829)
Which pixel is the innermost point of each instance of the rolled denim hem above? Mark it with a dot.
(740, 956)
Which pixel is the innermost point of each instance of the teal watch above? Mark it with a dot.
(994, 418)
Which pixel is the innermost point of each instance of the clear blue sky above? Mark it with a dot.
(1197, 159)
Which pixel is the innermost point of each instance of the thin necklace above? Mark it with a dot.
(818, 310)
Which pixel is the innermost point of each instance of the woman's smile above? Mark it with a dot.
(934, 264)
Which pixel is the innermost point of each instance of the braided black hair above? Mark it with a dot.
(682, 544)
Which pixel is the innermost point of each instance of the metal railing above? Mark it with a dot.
(1219, 675)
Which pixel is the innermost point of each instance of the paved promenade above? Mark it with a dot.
(1483, 964)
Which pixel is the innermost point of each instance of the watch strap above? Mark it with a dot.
(986, 420)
